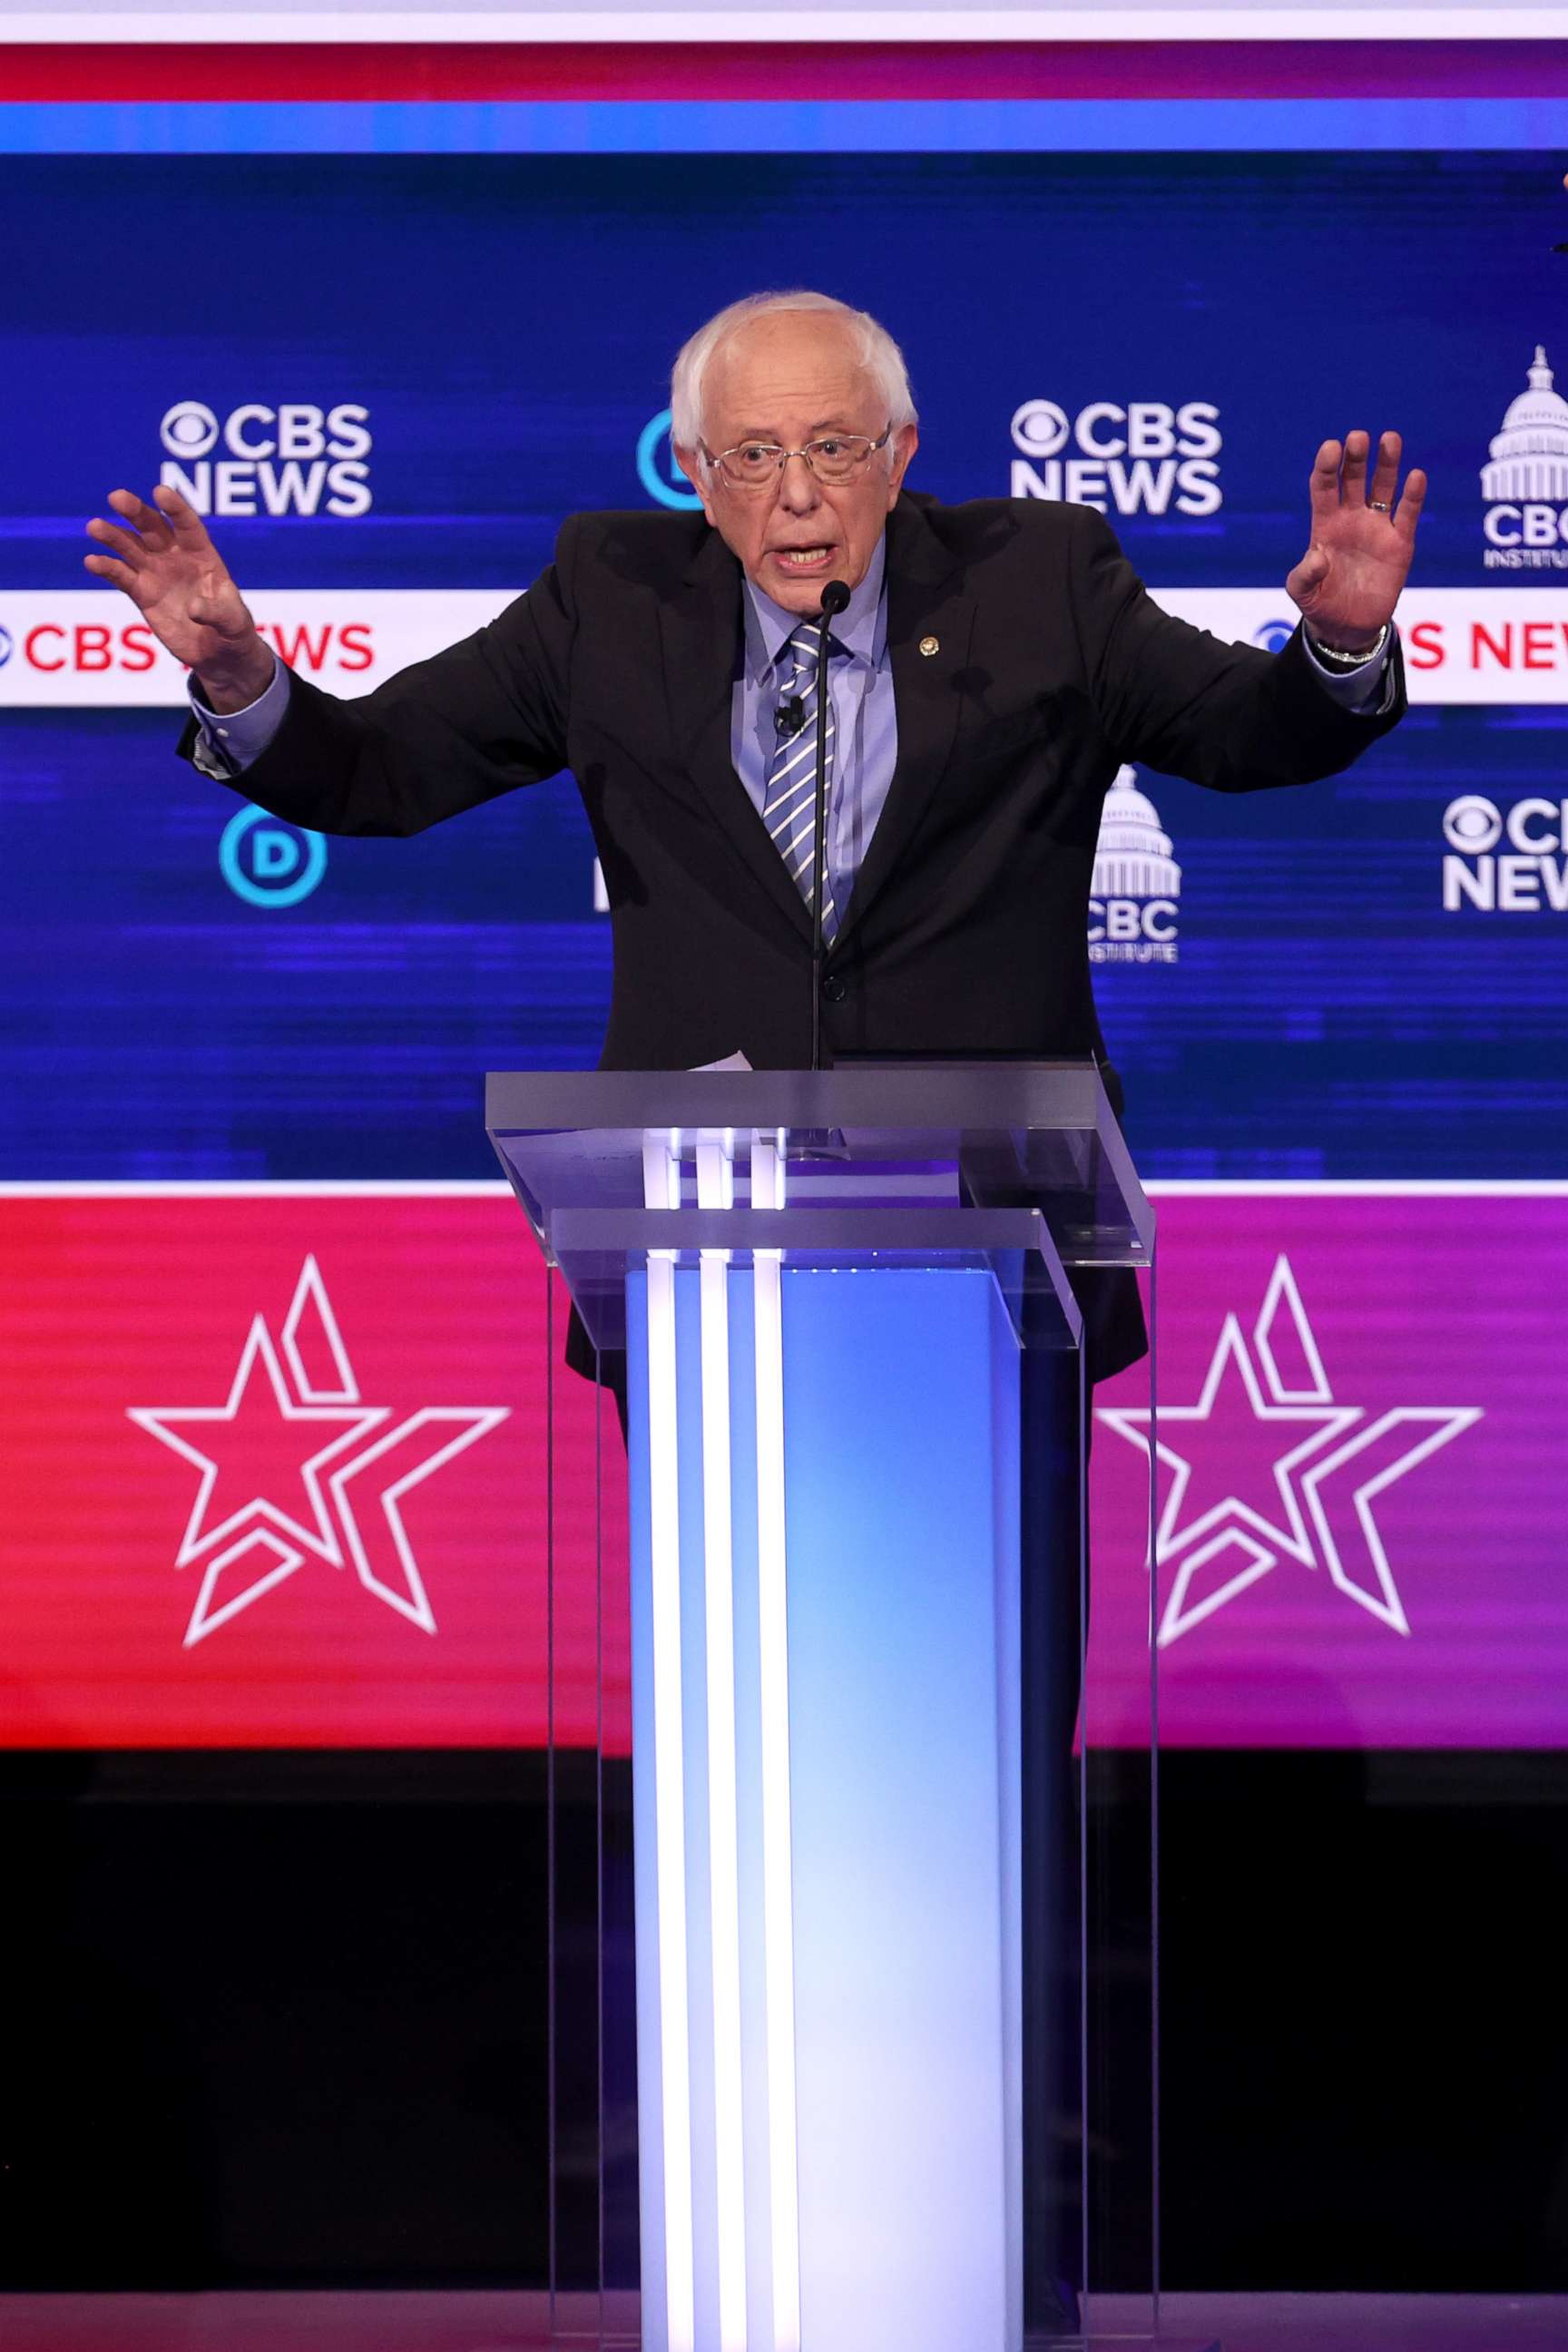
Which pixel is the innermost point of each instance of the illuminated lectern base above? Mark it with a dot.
(828, 1844)
(827, 1285)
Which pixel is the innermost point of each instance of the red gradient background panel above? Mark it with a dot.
(452, 72)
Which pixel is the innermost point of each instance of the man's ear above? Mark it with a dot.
(906, 441)
(696, 473)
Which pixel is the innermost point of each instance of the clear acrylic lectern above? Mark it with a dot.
(882, 2077)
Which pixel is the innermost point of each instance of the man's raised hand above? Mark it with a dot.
(1347, 582)
(163, 558)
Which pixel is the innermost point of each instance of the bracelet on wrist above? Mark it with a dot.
(1345, 656)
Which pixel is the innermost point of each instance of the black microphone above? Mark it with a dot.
(790, 717)
(835, 597)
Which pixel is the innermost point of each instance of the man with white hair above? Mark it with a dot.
(995, 665)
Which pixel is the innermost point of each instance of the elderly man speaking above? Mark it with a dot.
(997, 663)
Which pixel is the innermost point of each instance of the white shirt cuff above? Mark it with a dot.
(1367, 690)
(231, 741)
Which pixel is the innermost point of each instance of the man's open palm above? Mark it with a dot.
(163, 558)
(1347, 582)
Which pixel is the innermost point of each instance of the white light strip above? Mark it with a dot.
(1477, 631)
(716, 1190)
(662, 1189)
(778, 1873)
(1182, 1187)
(514, 25)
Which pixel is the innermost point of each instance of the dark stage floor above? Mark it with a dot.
(519, 2323)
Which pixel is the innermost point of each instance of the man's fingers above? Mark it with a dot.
(1407, 513)
(155, 534)
(1385, 473)
(1357, 445)
(125, 543)
(182, 519)
(109, 568)
(1325, 482)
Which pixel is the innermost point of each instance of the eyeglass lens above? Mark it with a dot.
(837, 459)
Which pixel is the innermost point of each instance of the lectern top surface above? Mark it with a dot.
(890, 1139)
(887, 1096)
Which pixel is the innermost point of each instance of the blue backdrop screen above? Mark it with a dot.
(458, 350)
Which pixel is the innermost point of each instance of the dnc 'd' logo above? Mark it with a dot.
(259, 459)
(1137, 881)
(1525, 484)
(268, 863)
(657, 472)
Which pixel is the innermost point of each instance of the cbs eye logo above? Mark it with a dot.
(1040, 428)
(1472, 825)
(189, 430)
(269, 863)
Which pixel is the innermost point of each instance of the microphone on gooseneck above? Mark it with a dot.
(835, 597)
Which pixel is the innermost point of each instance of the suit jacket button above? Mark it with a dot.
(835, 988)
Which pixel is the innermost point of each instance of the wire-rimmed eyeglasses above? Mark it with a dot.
(835, 457)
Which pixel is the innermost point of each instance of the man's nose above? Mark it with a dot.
(799, 489)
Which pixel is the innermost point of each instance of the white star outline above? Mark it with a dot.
(336, 1536)
(1226, 1523)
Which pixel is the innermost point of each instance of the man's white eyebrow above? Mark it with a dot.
(766, 432)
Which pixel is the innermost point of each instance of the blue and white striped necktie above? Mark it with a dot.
(789, 807)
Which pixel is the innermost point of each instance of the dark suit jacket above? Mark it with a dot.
(966, 929)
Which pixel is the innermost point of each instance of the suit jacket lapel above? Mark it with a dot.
(928, 602)
(701, 629)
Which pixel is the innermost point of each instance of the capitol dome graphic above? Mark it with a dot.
(1530, 455)
(1133, 857)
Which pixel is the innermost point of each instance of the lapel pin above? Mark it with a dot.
(931, 644)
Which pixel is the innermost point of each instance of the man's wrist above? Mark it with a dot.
(1347, 655)
(233, 687)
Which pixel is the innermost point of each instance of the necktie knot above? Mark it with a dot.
(803, 644)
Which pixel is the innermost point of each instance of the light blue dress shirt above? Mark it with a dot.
(860, 684)
(860, 694)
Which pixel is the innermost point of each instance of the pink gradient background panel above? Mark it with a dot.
(1423, 1344)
